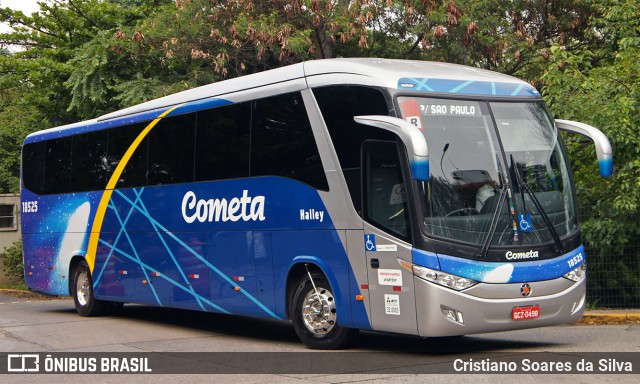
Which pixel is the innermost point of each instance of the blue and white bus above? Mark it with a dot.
(412, 197)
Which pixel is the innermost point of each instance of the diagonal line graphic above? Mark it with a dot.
(164, 243)
(170, 280)
(133, 248)
(422, 84)
(517, 90)
(111, 185)
(122, 226)
(200, 257)
(461, 86)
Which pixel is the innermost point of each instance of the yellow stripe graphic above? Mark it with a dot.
(106, 196)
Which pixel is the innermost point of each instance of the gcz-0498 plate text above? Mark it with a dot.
(525, 313)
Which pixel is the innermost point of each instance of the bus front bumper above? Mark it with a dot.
(445, 312)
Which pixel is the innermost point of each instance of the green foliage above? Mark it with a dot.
(600, 86)
(17, 121)
(613, 278)
(63, 40)
(12, 261)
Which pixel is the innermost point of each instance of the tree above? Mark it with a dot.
(507, 36)
(45, 82)
(600, 85)
(214, 40)
(53, 41)
(17, 122)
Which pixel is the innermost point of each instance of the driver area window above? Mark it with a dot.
(385, 202)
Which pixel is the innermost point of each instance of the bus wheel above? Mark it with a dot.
(315, 317)
(86, 304)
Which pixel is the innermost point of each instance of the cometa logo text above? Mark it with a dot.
(244, 208)
(521, 255)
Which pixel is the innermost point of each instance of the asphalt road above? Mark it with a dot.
(53, 326)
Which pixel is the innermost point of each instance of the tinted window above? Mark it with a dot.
(384, 189)
(120, 139)
(57, 174)
(89, 163)
(282, 143)
(171, 147)
(268, 137)
(222, 143)
(33, 166)
(339, 104)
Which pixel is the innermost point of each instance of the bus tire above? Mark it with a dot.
(315, 319)
(82, 292)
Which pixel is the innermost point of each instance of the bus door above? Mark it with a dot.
(386, 233)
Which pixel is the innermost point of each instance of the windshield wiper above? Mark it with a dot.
(523, 185)
(494, 221)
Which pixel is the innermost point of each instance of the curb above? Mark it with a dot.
(28, 294)
(610, 317)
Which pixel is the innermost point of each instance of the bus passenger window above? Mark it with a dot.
(339, 104)
(222, 142)
(120, 139)
(33, 166)
(57, 173)
(171, 150)
(89, 165)
(282, 142)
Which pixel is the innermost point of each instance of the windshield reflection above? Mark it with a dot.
(468, 179)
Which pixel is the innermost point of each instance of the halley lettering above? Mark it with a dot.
(311, 214)
(246, 208)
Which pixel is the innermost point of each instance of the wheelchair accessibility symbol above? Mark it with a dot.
(370, 243)
(524, 221)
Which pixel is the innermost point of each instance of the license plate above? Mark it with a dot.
(525, 313)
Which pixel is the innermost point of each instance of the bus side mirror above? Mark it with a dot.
(603, 147)
(412, 138)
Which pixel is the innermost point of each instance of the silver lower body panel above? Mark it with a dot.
(483, 315)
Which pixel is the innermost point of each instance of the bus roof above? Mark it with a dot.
(405, 75)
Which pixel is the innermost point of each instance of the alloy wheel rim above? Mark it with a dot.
(82, 289)
(319, 311)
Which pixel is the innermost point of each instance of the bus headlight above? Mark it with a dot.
(441, 278)
(578, 273)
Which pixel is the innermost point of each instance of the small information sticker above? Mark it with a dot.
(392, 305)
(524, 220)
(370, 243)
(390, 277)
(386, 248)
(411, 111)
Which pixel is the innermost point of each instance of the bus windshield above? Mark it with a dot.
(498, 172)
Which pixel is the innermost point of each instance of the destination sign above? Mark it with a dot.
(457, 109)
